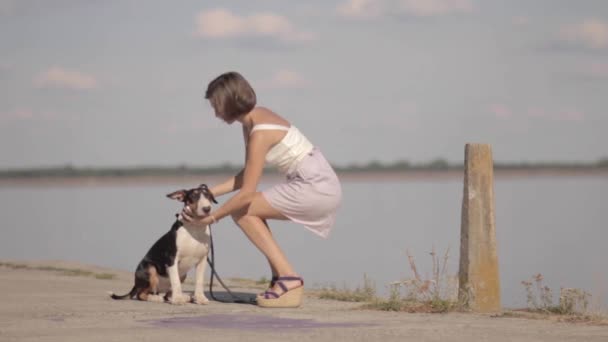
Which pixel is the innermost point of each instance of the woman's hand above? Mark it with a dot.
(192, 219)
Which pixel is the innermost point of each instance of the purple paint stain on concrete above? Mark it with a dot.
(245, 322)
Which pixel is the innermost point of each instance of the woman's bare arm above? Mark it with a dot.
(258, 146)
(232, 183)
(229, 185)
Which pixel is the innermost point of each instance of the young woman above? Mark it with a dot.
(310, 195)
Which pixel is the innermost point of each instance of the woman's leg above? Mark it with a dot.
(252, 222)
(274, 272)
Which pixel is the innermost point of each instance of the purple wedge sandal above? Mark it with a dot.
(289, 298)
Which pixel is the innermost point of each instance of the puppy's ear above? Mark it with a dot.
(177, 195)
(212, 197)
(207, 192)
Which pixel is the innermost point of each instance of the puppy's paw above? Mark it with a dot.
(179, 299)
(200, 299)
(155, 298)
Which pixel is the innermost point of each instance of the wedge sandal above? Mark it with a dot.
(273, 281)
(289, 298)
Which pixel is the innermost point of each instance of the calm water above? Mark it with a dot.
(552, 225)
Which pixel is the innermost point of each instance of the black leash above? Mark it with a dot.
(211, 262)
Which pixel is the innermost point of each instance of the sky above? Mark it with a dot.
(113, 83)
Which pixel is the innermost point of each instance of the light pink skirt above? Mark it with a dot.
(310, 195)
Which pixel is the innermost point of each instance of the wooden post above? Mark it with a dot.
(479, 282)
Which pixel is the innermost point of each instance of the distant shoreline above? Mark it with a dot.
(361, 176)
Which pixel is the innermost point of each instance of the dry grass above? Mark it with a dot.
(263, 280)
(366, 293)
(73, 272)
(574, 305)
(437, 294)
(591, 318)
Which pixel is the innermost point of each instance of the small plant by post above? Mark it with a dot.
(437, 294)
(571, 301)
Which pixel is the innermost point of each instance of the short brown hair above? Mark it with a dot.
(231, 95)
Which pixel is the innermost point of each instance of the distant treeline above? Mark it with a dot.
(373, 166)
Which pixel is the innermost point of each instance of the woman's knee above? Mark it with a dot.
(258, 210)
(243, 218)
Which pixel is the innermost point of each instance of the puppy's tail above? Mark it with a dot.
(128, 295)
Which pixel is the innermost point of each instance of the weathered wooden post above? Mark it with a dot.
(479, 282)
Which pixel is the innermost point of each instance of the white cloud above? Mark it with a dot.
(17, 114)
(57, 77)
(425, 8)
(285, 78)
(361, 8)
(223, 24)
(288, 78)
(365, 9)
(591, 33)
(27, 114)
(501, 111)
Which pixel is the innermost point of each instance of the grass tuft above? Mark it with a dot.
(104, 276)
(360, 294)
(72, 272)
(573, 304)
(435, 295)
(262, 281)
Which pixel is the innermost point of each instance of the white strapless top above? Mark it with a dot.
(288, 152)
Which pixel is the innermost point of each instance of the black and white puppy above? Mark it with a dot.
(165, 266)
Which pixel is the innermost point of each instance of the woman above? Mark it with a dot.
(310, 195)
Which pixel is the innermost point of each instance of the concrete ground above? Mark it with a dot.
(50, 305)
